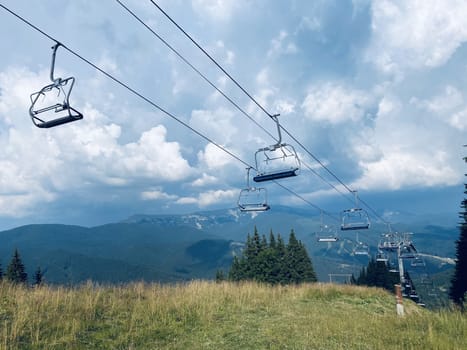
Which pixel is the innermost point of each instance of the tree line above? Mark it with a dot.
(272, 261)
(16, 272)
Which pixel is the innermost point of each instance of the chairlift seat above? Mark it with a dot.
(328, 239)
(275, 176)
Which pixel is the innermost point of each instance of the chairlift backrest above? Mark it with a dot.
(50, 106)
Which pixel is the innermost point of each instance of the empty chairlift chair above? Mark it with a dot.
(276, 161)
(355, 218)
(326, 233)
(51, 105)
(252, 198)
(360, 248)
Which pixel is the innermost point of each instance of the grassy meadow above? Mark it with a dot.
(209, 315)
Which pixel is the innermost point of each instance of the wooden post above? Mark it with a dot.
(399, 305)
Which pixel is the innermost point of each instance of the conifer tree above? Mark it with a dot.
(15, 271)
(38, 277)
(1, 272)
(220, 276)
(377, 274)
(458, 290)
(236, 272)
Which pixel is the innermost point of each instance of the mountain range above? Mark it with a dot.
(172, 248)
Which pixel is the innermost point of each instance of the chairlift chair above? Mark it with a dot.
(355, 218)
(360, 248)
(381, 257)
(50, 106)
(252, 199)
(326, 233)
(277, 161)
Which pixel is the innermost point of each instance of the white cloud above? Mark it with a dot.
(396, 170)
(205, 180)
(153, 156)
(218, 10)
(217, 196)
(280, 45)
(220, 124)
(448, 107)
(187, 200)
(335, 103)
(450, 99)
(38, 164)
(416, 33)
(213, 158)
(157, 195)
(398, 153)
(459, 120)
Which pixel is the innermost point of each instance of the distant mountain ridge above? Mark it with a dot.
(169, 248)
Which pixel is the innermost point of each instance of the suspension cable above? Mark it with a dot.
(261, 107)
(149, 101)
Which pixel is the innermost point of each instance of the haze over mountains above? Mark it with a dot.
(169, 248)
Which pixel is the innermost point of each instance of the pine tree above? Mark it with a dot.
(299, 267)
(1, 272)
(377, 274)
(458, 290)
(220, 276)
(15, 271)
(236, 272)
(38, 277)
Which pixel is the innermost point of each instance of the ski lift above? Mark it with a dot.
(381, 257)
(277, 161)
(326, 234)
(407, 249)
(361, 248)
(51, 106)
(252, 198)
(355, 218)
(389, 242)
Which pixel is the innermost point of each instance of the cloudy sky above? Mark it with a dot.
(375, 89)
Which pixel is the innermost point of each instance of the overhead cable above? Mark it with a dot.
(149, 101)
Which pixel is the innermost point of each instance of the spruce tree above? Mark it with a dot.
(38, 277)
(458, 290)
(1, 272)
(15, 271)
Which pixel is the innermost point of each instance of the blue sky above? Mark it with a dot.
(375, 89)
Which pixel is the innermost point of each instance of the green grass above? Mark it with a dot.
(206, 315)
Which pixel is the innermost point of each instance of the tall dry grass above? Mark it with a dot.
(206, 315)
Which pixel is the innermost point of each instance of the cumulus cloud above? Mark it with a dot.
(281, 45)
(393, 157)
(335, 103)
(217, 196)
(219, 124)
(153, 156)
(415, 33)
(205, 180)
(214, 158)
(38, 164)
(218, 10)
(448, 107)
(157, 194)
